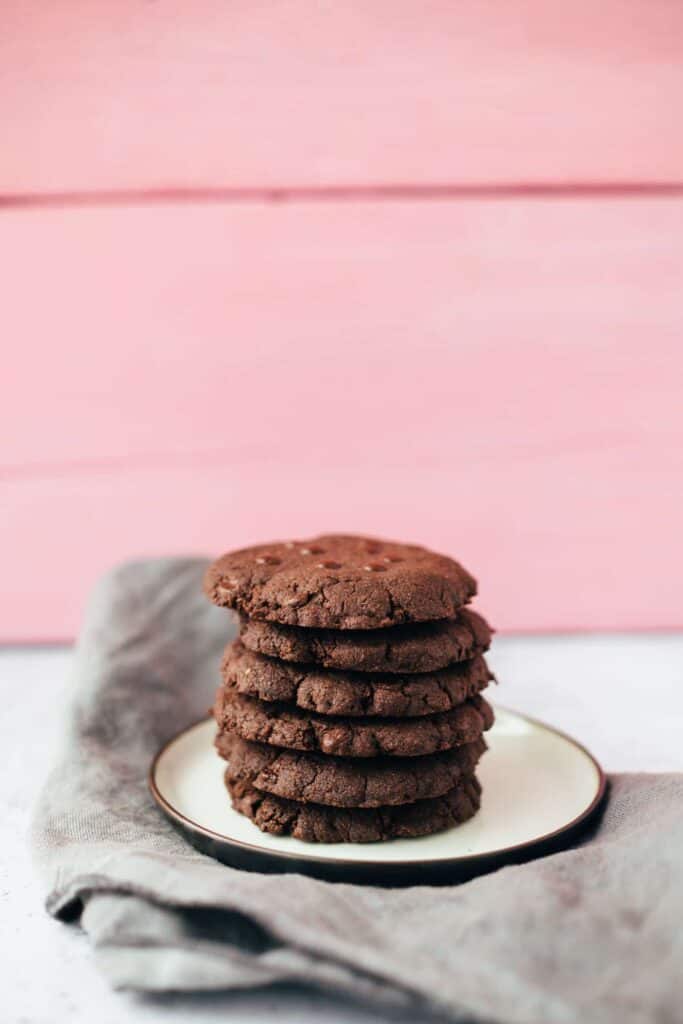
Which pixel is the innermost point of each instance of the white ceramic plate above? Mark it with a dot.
(540, 789)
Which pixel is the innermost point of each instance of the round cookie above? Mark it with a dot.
(424, 647)
(315, 823)
(339, 582)
(282, 726)
(352, 693)
(343, 781)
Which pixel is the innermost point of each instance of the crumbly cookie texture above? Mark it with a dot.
(343, 781)
(294, 729)
(315, 823)
(340, 582)
(423, 647)
(330, 692)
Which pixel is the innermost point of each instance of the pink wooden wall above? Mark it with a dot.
(460, 323)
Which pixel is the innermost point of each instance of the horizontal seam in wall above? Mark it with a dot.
(344, 193)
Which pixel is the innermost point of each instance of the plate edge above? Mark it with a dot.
(569, 828)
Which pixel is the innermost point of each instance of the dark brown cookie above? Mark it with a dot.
(352, 693)
(340, 582)
(346, 782)
(281, 725)
(315, 823)
(425, 647)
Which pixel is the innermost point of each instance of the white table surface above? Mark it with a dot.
(621, 695)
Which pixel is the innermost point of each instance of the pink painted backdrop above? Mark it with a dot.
(118, 94)
(499, 378)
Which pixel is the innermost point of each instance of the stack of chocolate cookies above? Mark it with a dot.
(350, 708)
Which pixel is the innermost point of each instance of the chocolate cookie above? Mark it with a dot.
(352, 693)
(283, 726)
(340, 582)
(425, 647)
(315, 823)
(346, 782)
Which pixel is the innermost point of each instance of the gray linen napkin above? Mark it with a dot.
(590, 934)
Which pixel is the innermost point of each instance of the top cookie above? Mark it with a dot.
(339, 582)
